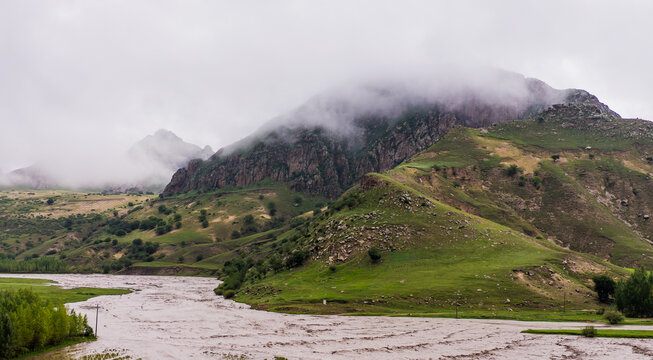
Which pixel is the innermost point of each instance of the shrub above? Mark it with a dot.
(228, 294)
(205, 223)
(50, 201)
(374, 254)
(600, 311)
(555, 157)
(272, 208)
(588, 331)
(297, 200)
(199, 257)
(634, 296)
(333, 268)
(522, 181)
(296, 259)
(164, 210)
(512, 170)
(614, 317)
(604, 287)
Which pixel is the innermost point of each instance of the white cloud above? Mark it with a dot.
(81, 80)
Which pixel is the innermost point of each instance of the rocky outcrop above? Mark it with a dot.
(322, 160)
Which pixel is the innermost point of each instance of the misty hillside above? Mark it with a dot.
(147, 165)
(167, 150)
(330, 142)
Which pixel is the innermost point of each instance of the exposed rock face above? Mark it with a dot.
(319, 159)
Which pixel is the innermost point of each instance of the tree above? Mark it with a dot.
(374, 254)
(555, 157)
(634, 296)
(604, 287)
(272, 208)
(50, 201)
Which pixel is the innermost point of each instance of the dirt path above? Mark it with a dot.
(181, 318)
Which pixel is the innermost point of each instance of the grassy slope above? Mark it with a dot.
(432, 265)
(47, 290)
(192, 249)
(572, 205)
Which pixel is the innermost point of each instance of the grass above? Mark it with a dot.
(609, 333)
(49, 291)
(426, 269)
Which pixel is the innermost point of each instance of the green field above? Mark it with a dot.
(48, 290)
(610, 333)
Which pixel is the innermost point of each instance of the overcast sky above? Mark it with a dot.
(83, 79)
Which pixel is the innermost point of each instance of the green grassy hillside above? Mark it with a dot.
(192, 233)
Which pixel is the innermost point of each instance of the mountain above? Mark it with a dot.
(32, 177)
(147, 165)
(329, 143)
(168, 150)
(499, 218)
(512, 216)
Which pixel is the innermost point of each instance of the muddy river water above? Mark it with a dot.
(181, 318)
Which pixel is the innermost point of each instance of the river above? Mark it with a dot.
(181, 318)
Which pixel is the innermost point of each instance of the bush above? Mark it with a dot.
(333, 268)
(296, 259)
(374, 254)
(614, 317)
(228, 294)
(588, 331)
(512, 170)
(272, 208)
(634, 296)
(604, 287)
(205, 223)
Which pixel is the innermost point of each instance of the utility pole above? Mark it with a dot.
(97, 308)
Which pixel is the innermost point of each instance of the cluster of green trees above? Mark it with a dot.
(140, 250)
(632, 296)
(28, 323)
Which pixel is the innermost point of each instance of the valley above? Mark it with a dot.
(180, 317)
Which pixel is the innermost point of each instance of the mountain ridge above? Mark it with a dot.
(321, 159)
